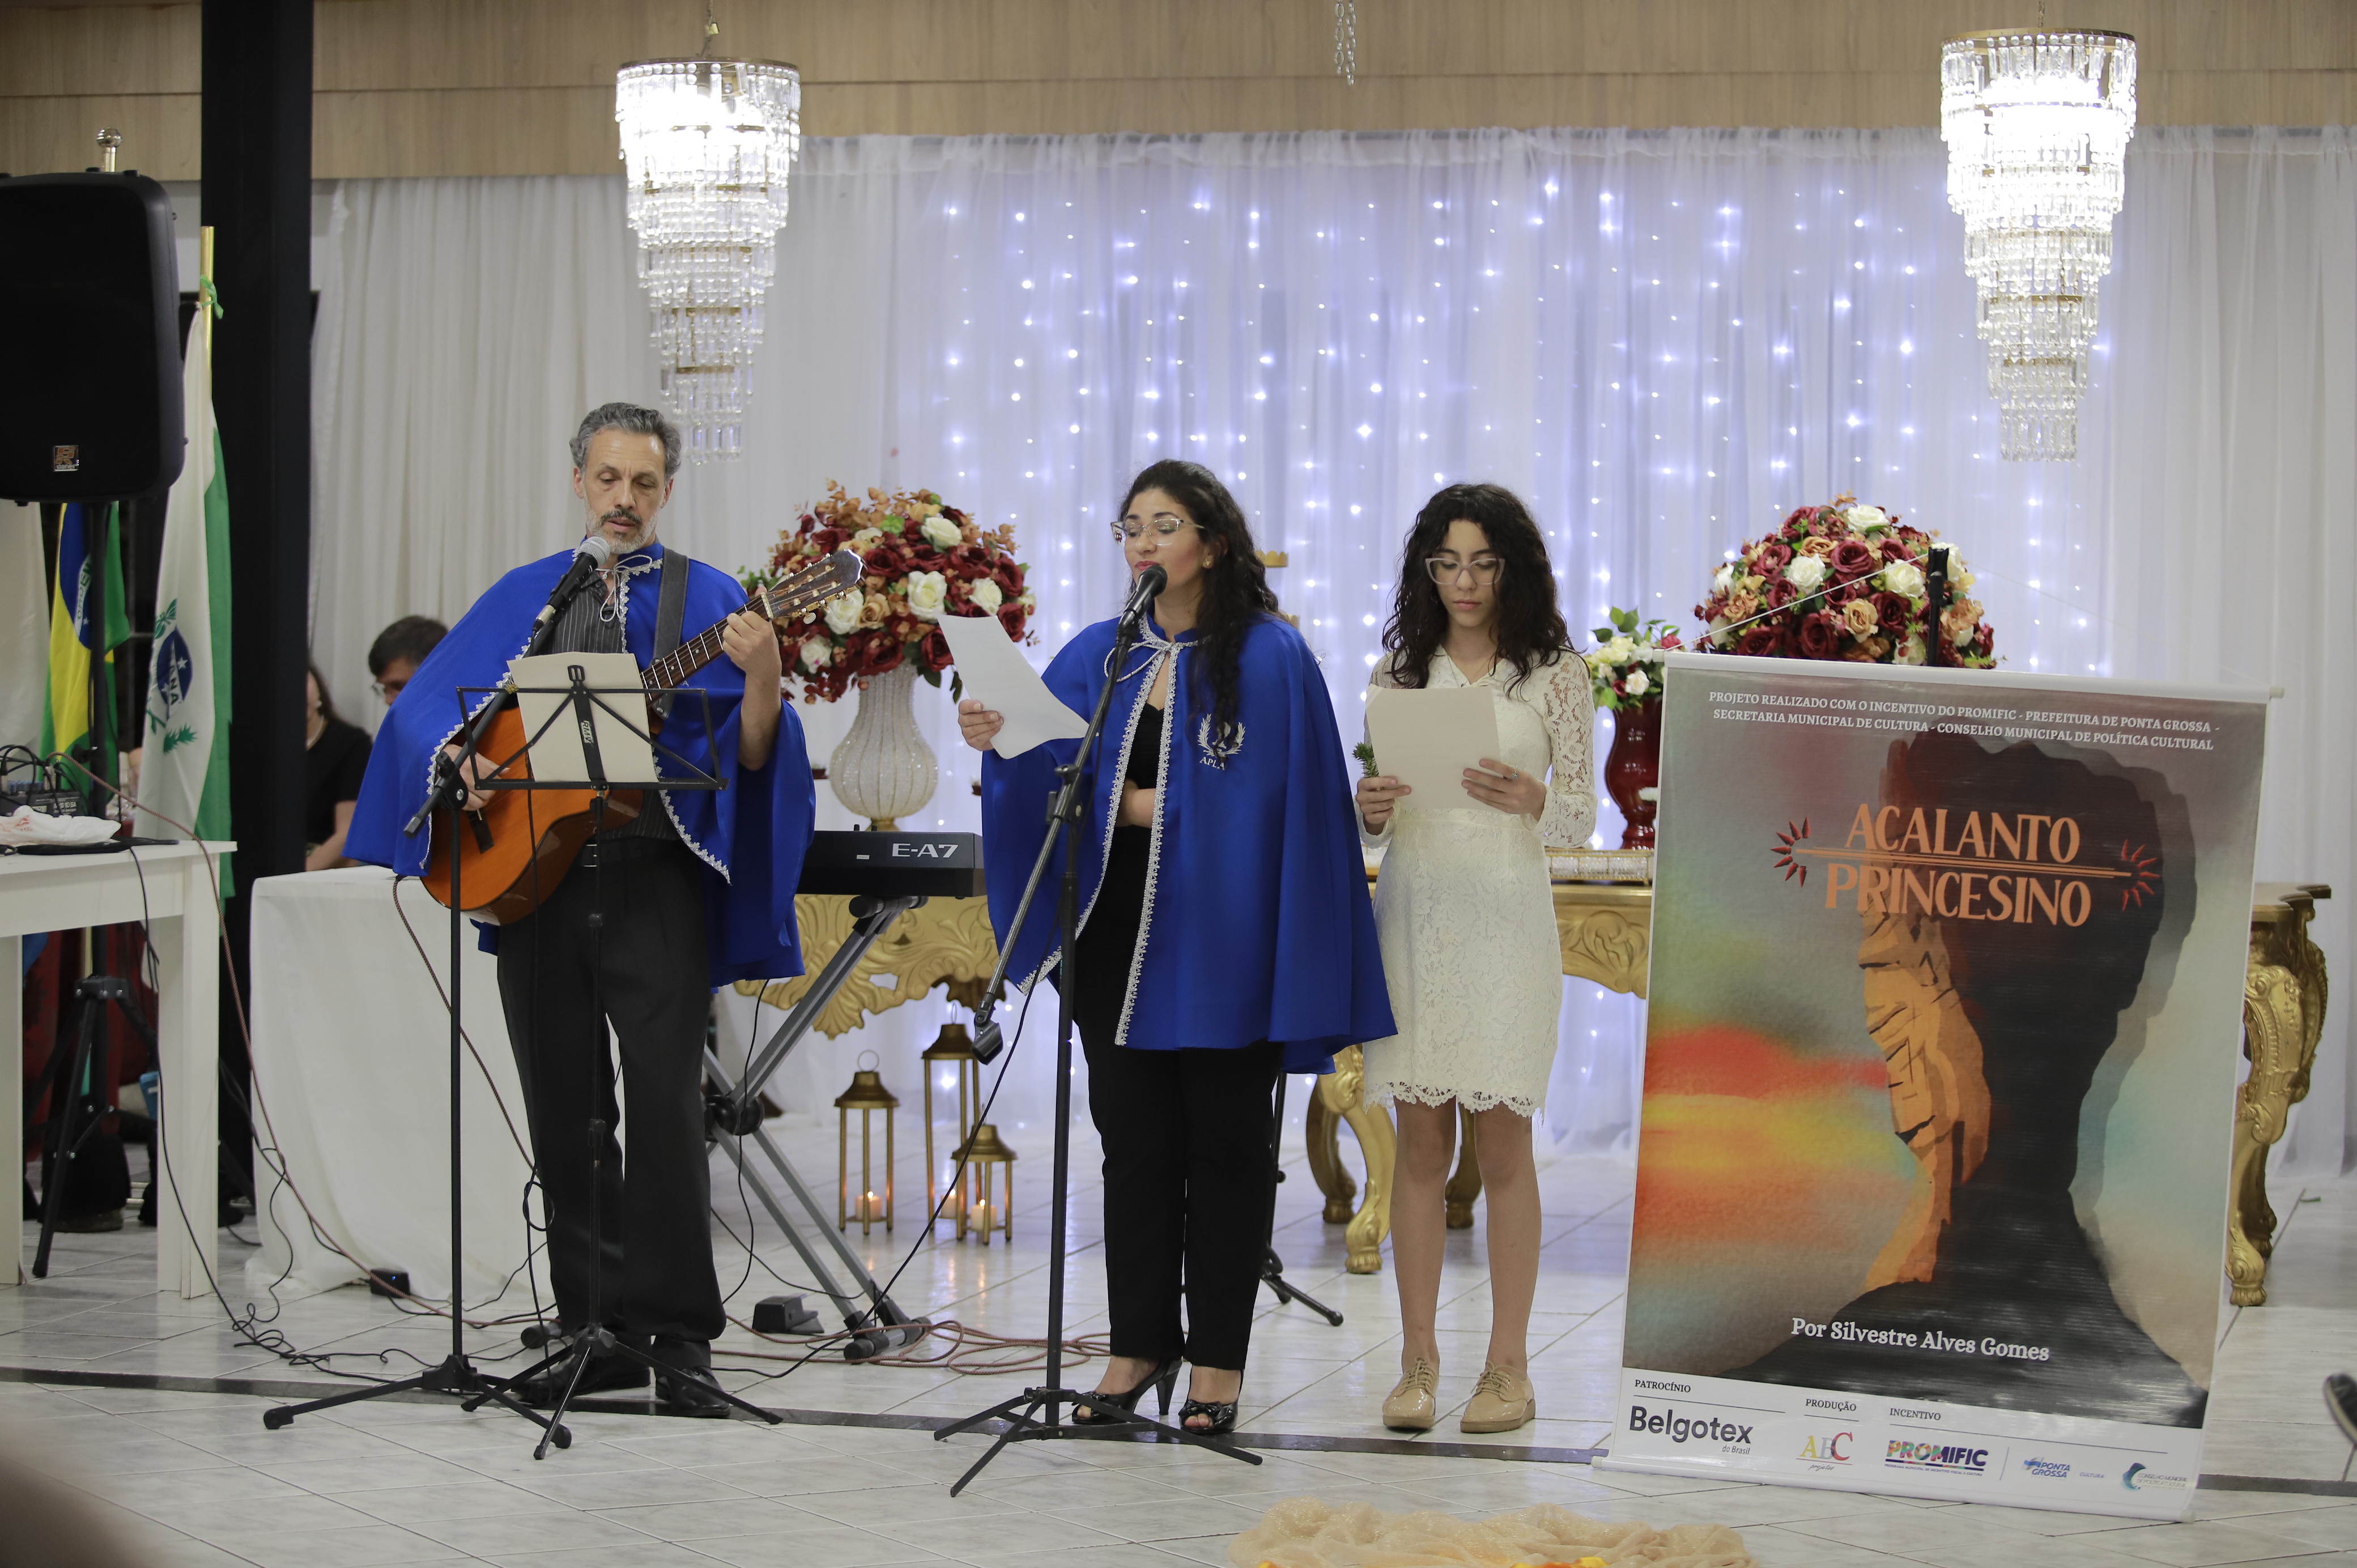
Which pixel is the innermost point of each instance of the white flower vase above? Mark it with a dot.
(883, 769)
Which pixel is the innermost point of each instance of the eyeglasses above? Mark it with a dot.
(387, 690)
(1482, 569)
(1163, 525)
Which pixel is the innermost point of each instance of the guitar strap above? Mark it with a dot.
(671, 611)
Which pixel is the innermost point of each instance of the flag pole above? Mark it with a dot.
(205, 291)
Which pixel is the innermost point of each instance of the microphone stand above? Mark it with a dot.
(457, 1376)
(1023, 1424)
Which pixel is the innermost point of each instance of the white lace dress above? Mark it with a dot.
(1464, 913)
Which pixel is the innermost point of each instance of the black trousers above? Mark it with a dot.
(1189, 1179)
(651, 974)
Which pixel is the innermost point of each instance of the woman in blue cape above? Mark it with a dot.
(1225, 933)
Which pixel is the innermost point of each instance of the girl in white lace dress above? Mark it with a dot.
(1467, 920)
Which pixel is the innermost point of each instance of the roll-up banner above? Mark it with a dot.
(1940, 1077)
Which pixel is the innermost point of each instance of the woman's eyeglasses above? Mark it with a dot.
(1162, 525)
(1482, 569)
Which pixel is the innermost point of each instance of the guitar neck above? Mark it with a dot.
(776, 603)
(675, 668)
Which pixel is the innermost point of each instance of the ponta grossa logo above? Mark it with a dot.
(1913, 1456)
(1679, 1428)
(2047, 1469)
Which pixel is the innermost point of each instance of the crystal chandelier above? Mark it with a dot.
(2037, 122)
(709, 144)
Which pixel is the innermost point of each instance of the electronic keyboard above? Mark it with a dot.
(894, 864)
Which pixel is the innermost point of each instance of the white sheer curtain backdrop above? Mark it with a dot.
(1662, 341)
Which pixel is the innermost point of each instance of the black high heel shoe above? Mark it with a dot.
(1223, 1418)
(1164, 1378)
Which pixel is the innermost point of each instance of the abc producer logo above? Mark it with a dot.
(1818, 1448)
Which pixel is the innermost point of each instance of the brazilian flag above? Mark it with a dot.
(89, 555)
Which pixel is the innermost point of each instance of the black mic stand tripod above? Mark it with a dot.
(457, 1376)
(1023, 1422)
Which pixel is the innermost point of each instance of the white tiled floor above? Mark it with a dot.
(196, 1479)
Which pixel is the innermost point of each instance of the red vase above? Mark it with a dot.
(1634, 763)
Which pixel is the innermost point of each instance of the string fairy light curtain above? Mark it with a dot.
(1662, 341)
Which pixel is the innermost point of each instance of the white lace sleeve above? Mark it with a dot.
(1567, 704)
(1381, 678)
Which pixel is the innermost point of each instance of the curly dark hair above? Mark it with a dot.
(1236, 595)
(1530, 630)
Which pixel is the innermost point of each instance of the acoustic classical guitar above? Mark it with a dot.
(515, 851)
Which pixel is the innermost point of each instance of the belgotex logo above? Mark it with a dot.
(1913, 1456)
(1678, 1428)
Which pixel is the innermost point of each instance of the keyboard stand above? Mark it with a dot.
(878, 1324)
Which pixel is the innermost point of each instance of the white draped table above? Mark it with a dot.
(351, 1058)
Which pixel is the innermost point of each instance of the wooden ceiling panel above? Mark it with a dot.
(423, 87)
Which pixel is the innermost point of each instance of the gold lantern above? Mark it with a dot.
(993, 1197)
(952, 1055)
(867, 1096)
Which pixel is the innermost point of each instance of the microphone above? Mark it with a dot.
(989, 1039)
(1142, 595)
(588, 560)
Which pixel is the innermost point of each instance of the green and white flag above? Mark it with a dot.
(184, 774)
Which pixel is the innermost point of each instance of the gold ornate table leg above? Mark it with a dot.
(2284, 993)
(1322, 1128)
(1464, 1184)
(1344, 1093)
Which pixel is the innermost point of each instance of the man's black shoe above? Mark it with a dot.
(691, 1390)
(685, 1382)
(604, 1374)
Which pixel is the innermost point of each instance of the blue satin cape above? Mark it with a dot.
(751, 836)
(1257, 925)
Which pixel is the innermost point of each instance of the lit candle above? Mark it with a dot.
(982, 1219)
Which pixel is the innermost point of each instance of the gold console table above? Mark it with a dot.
(943, 942)
(2284, 993)
(1606, 931)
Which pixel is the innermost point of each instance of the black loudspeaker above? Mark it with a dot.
(90, 410)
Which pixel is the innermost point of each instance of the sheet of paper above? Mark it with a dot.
(995, 674)
(1427, 739)
(558, 754)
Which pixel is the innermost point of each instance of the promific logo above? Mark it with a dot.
(1912, 1456)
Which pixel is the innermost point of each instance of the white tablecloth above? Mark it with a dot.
(351, 1055)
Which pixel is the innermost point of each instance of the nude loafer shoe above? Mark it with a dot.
(1412, 1405)
(1503, 1401)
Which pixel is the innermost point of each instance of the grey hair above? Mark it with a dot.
(637, 421)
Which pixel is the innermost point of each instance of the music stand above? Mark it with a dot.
(593, 715)
(1023, 1424)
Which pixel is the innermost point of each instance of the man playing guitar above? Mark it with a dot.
(696, 890)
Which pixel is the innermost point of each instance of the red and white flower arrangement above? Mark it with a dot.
(1626, 663)
(925, 560)
(1843, 581)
